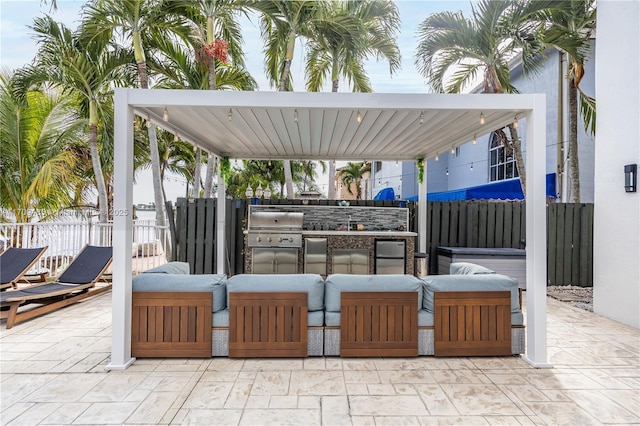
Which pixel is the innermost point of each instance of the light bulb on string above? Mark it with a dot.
(358, 117)
(295, 115)
(471, 166)
(421, 117)
(453, 150)
(475, 140)
(447, 171)
(165, 114)
(437, 158)
(481, 118)
(230, 115)
(148, 123)
(515, 122)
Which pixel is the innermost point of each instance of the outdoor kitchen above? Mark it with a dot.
(329, 240)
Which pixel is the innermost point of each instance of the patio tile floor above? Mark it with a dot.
(52, 372)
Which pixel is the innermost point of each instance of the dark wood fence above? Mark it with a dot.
(451, 224)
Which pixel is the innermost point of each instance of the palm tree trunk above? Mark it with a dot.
(573, 142)
(517, 153)
(332, 180)
(153, 141)
(103, 203)
(196, 175)
(208, 180)
(283, 80)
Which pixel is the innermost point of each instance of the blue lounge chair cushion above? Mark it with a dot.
(337, 283)
(215, 283)
(312, 284)
(170, 268)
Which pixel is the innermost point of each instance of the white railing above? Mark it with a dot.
(65, 239)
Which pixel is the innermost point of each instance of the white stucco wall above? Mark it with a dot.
(617, 214)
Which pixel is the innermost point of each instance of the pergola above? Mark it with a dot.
(327, 126)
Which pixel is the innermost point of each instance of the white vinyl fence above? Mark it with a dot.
(65, 239)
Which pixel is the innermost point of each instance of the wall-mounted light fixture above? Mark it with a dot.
(631, 178)
(267, 193)
(259, 191)
(249, 192)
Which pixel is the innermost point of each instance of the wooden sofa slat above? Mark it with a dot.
(378, 324)
(179, 328)
(273, 327)
(483, 323)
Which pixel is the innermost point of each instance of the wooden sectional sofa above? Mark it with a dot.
(468, 313)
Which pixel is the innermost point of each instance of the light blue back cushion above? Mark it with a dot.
(337, 283)
(170, 268)
(495, 282)
(465, 268)
(312, 284)
(215, 283)
(314, 319)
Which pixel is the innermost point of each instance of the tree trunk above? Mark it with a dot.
(574, 168)
(332, 181)
(517, 153)
(103, 203)
(157, 179)
(196, 175)
(282, 87)
(212, 73)
(208, 180)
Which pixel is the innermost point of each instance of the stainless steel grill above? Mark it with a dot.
(275, 229)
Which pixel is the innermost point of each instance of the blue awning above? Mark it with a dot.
(502, 190)
(385, 194)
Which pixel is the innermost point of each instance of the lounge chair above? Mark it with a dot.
(77, 282)
(14, 264)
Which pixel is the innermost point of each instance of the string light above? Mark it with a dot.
(453, 150)
(358, 117)
(148, 123)
(396, 162)
(421, 117)
(447, 171)
(481, 118)
(475, 140)
(230, 115)
(437, 158)
(515, 122)
(472, 166)
(295, 115)
(165, 114)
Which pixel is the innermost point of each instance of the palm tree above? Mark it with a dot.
(86, 71)
(38, 129)
(178, 68)
(281, 24)
(572, 23)
(217, 34)
(454, 50)
(367, 28)
(141, 23)
(351, 176)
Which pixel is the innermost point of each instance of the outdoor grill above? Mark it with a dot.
(274, 229)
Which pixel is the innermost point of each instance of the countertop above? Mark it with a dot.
(361, 233)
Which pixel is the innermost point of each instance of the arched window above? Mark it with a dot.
(502, 165)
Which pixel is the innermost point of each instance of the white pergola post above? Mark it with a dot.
(220, 226)
(536, 237)
(122, 233)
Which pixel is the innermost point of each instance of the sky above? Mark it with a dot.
(18, 48)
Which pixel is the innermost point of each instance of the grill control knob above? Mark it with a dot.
(280, 239)
(269, 239)
(258, 239)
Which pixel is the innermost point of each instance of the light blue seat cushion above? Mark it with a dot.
(337, 283)
(314, 319)
(312, 284)
(494, 282)
(215, 283)
(465, 268)
(170, 268)
(425, 319)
